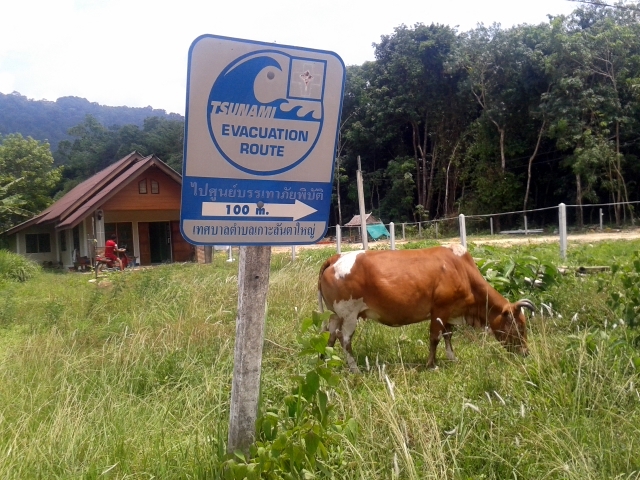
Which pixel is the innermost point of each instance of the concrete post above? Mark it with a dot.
(562, 219)
(253, 285)
(392, 232)
(463, 230)
(339, 238)
(363, 214)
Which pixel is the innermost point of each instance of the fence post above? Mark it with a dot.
(491, 224)
(293, 253)
(526, 230)
(403, 237)
(436, 230)
(230, 259)
(392, 231)
(601, 215)
(420, 229)
(338, 238)
(562, 217)
(363, 213)
(463, 230)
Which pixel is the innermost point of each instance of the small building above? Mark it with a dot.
(375, 228)
(137, 198)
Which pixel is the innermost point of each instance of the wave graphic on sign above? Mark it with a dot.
(265, 111)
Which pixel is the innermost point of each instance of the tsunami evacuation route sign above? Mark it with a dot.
(260, 138)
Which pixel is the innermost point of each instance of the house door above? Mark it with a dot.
(160, 242)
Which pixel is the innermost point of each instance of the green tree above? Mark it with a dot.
(412, 89)
(28, 178)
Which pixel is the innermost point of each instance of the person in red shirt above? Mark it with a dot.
(111, 251)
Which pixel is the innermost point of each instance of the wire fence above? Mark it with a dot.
(553, 221)
(550, 221)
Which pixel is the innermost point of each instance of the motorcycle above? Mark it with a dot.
(102, 263)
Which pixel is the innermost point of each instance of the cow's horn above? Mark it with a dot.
(524, 303)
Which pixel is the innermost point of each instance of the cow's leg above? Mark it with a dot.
(435, 333)
(448, 332)
(346, 336)
(333, 327)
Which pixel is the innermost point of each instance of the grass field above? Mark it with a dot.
(130, 377)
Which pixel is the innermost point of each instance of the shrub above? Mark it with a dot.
(625, 299)
(301, 439)
(16, 267)
(515, 275)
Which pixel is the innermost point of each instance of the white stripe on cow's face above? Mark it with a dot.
(345, 263)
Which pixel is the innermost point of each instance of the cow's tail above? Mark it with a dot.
(325, 265)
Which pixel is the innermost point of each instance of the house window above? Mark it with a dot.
(142, 186)
(38, 242)
(63, 240)
(155, 187)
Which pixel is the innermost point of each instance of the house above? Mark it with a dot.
(375, 227)
(137, 198)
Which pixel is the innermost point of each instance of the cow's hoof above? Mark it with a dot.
(353, 367)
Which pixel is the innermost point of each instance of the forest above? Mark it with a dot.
(484, 121)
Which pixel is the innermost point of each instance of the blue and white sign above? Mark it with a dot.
(261, 130)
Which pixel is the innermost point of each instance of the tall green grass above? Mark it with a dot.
(130, 377)
(16, 267)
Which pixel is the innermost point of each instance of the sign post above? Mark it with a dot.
(253, 279)
(260, 138)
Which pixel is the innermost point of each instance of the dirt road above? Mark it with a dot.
(591, 236)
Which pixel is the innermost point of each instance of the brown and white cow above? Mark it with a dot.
(396, 288)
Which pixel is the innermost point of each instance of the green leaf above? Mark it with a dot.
(320, 318)
(280, 443)
(319, 342)
(238, 454)
(323, 399)
(311, 441)
(311, 385)
(306, 324)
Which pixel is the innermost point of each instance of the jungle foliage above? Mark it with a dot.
(496, 119)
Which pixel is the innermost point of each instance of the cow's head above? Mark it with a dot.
(510, 326)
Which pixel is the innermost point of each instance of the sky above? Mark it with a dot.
(134, 52)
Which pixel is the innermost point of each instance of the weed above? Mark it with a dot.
(302, 438)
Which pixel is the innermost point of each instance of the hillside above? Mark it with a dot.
(47, 120)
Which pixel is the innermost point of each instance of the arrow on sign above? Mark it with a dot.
(295, 210)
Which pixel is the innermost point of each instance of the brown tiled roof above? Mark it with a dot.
(88, 195)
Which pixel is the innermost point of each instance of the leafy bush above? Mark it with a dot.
(301, 439)
(624, 297)
(16, 267)
(518, 275)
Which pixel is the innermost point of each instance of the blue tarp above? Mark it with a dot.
(377, 231)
